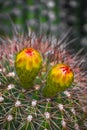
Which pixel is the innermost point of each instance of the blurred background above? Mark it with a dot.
(48, 16)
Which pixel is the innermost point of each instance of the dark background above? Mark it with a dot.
(48, 16)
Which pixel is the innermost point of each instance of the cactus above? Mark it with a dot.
(29, 109)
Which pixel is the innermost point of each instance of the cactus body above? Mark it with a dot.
(59, 78)
(22, 109)
(28, 63)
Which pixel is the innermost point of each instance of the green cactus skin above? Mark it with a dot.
(28, 109)
(28, 63)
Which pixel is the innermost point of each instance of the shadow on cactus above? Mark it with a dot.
(41, 85)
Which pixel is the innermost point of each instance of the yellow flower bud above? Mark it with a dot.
(28, 63)
(59, 78)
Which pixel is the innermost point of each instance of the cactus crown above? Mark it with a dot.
(22, 104)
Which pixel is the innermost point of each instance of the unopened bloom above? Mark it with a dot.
(59, 78)
(28, 63)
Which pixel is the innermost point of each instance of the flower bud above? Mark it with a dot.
(28, 63)
(59, 78)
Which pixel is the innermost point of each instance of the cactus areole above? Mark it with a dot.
(59, 78)
(28, 63)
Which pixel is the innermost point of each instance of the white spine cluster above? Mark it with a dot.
(10, 86)
(67, 94)
(76, 126)
(34, 103)
(47, 115)
(17, 103)
(1, 99)
(0, 83)
(11, 74)
(37, 87)
(48, 99)
(63, 123)
(23, 90)
(73, 111)
(60, 106)
(9, 118)
(2, 69)
(84, 109)
(29, 118)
